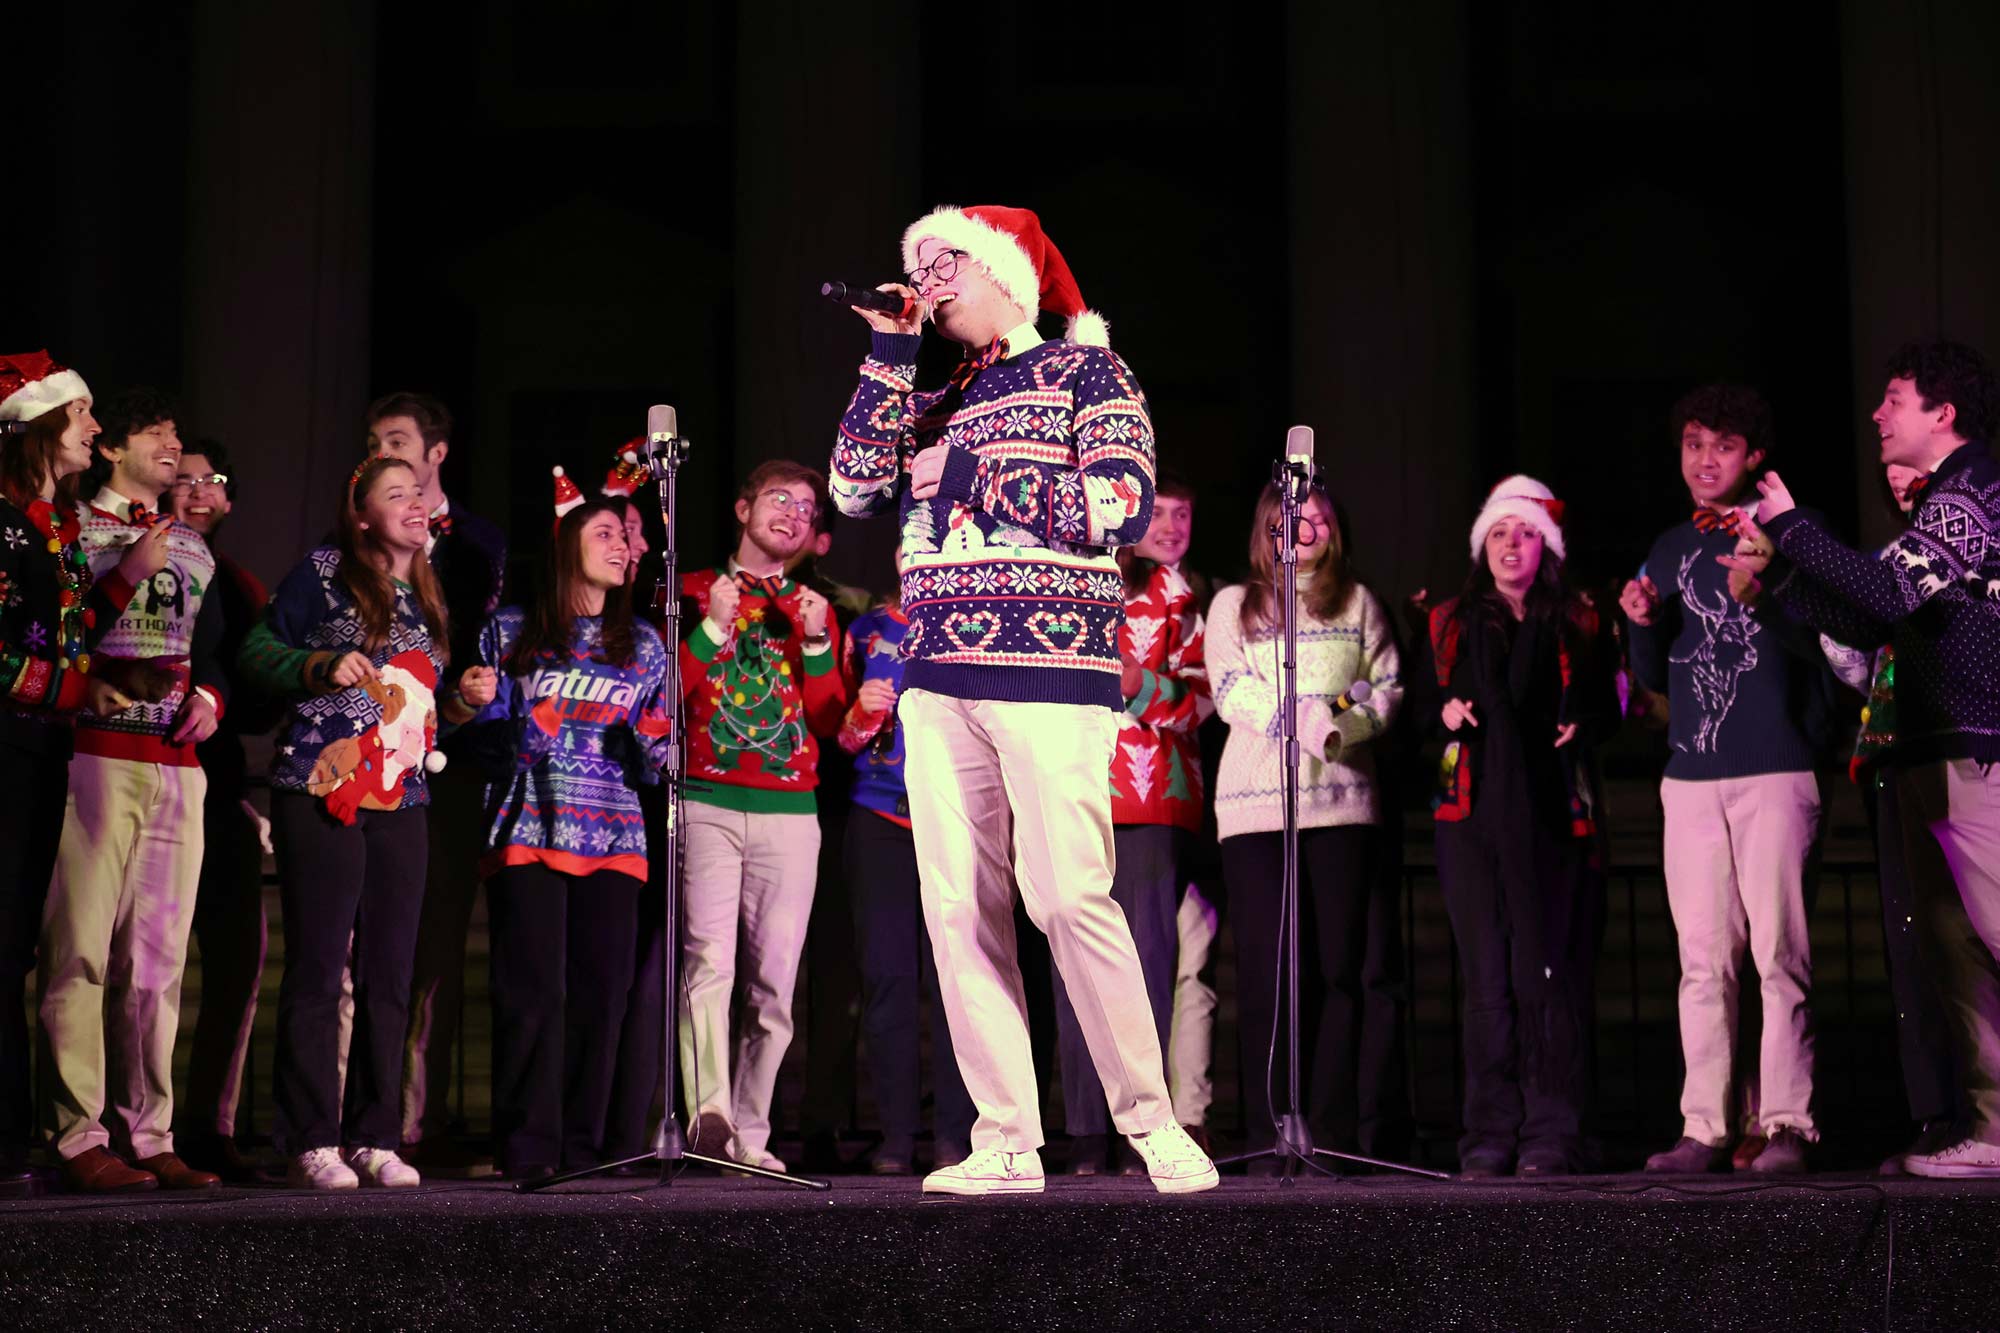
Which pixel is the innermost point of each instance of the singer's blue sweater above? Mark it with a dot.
(1011, 585)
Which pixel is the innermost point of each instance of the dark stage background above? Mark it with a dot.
(1458, 239)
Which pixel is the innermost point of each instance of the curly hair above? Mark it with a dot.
(1949, 372)
(1727, 409)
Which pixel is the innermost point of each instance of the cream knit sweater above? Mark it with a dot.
(1356, 645)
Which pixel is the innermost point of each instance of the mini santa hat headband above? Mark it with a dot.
(1521, 497)
(32, 383)
(1010, 245)
(622, 479)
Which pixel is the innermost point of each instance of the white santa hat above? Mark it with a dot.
(1010, 245)
(1524, 498)
(31, 383)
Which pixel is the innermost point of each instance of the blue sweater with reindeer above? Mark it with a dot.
(1011, 582)
(1748, 691)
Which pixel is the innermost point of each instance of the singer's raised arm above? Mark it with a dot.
(875, 432)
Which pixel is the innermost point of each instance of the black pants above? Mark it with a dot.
(1527, 916)
(363, 882)
(1347, 1080)
(1923, 1033)
(631, 1117)
(31, 821)
(562, 964)
(894, 952)
(1146, 884)
(832, 986)
(231, 933)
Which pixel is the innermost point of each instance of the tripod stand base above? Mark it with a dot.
(1295, 1152)
(670, 1146)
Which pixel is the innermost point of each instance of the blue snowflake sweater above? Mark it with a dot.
(567, 744)
(874, 646)
(1011, 586)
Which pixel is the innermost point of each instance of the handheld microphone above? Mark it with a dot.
(1360, 691)
(867, 298)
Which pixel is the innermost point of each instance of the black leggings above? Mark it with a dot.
(31, 822)
(361, 883)
(564, 948)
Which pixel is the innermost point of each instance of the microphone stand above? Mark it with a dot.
(1293, 1145)
(664, 459)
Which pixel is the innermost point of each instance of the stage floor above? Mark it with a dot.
(723, 1252)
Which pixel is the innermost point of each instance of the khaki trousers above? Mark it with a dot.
(1735, 858)
(1951, 837)
(1190, 1046)
(747, 898)
(114, 944)
(1016, 797)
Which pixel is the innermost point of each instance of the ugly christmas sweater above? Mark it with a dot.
(874, 647)
(1934, 592)
(1357, 644)
(359, 748)
(569, 742)
(164, 622)
(1011, 586)
(1156, 765)
(52, 615)
(756, 700)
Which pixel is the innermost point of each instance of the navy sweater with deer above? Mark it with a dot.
(1745, 689)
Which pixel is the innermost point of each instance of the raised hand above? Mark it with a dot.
(886, 323)
(1640, 600)
(1458, 713)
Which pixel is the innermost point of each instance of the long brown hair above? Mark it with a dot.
(364, 572)
(551, 618)
(29, 458)
(1324, 596)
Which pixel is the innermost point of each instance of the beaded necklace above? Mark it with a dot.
(74, 616)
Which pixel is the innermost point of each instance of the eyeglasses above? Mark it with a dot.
(942, 269)
(779, 498)
(182, 485)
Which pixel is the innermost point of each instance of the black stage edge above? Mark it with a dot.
(1366, 1253)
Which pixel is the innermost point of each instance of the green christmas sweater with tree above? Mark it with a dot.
(756, 700)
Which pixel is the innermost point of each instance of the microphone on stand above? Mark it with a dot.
(1358, 693)
(1299, 460)
(867, 298)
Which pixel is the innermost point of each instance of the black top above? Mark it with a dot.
(471, 564)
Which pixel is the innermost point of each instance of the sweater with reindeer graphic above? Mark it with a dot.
(1746, 690)
(1011, 583)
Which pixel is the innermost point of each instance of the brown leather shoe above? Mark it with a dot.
(174, 1174)
(98, 1171)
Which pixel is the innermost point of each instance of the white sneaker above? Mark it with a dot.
(761, 1158)
(379, 1166)
(319, 1169)
(1174, 1161)
(1968, 1159)
(988, 1171)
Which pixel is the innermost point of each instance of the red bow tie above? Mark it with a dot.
(440, 525)
(1916, 489)
(969, 369)
(1706, 520)
(767, 588)
(140, 516)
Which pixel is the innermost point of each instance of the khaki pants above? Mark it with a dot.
(1007, 796)
(748, 895)
(114, 944)
(1735, 860)
(1951, 836)
(1190, 1047)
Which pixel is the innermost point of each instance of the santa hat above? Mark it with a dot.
(1009, 244)
(627, 473)
(1524, 498)
(31, 384)
(568, 496)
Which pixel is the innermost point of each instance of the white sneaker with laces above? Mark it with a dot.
(762, 1158)
(1174, 1161)
(1968, 1159)
(379, 1166)
(319, 1169)
(988, 1171)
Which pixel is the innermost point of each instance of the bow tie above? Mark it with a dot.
(969, 369)
(440, 525)
(1915, 491)
(1706, 520)
(140, 516)
(767, 588)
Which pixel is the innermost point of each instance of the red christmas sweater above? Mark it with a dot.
(1156, 765)
(756, 701)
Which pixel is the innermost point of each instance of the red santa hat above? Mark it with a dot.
(568, 496)
(1010, 245)
(31, 383)
(1524, 498)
